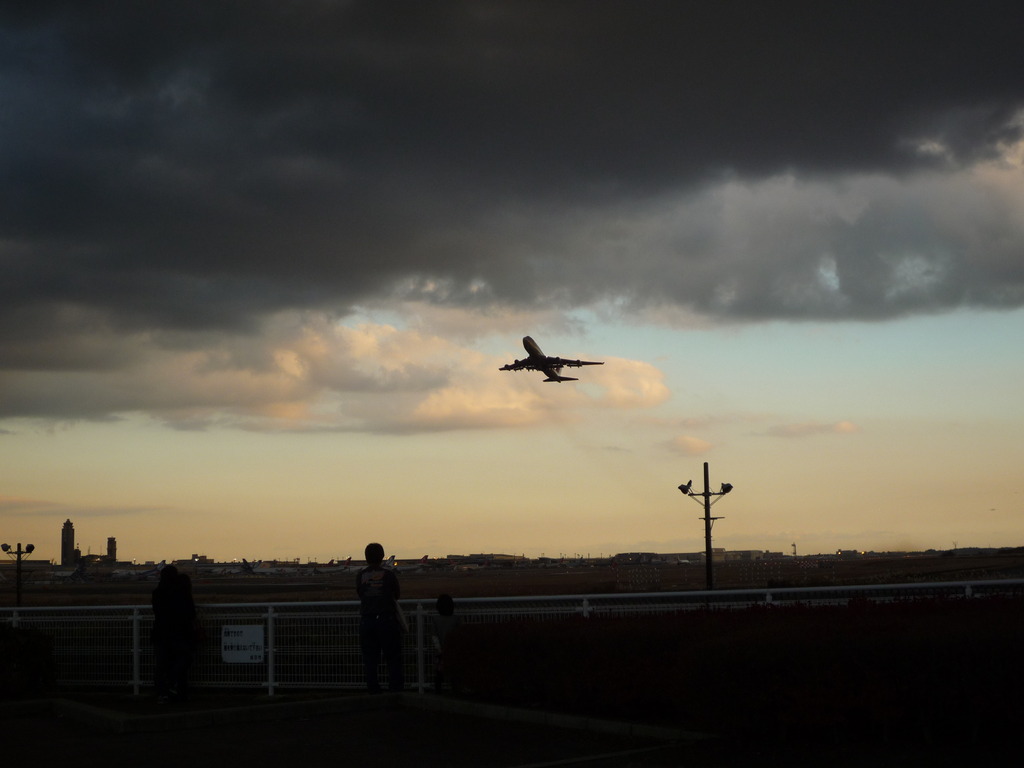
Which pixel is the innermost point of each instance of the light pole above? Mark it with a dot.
(18, 554)
(710, 497)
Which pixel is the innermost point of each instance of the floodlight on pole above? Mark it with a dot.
(709, 497)
(18, 554)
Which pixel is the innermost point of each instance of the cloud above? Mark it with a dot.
(179, 180)
(309, 372)
(689, 445)
(24, 507)
(461, 407)
(808, 429)
(627, 383)
(474, 399)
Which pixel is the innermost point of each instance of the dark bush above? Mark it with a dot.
(917, 669)
(26, 662)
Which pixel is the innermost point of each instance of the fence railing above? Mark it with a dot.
(277, 646)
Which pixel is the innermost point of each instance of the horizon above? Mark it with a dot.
(574, 554)
(259, 281)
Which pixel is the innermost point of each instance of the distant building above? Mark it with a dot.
(748, 555)
(634, 558)
(111, 548)
(67, 544)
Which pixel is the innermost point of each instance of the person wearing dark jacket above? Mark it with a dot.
(186, 648)
(174, 617)
(380, 630)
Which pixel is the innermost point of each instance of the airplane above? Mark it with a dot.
(416, 565)
(77, 575)
(226, 569)
(332, 567)
(274, 568)
(538, 361)
(141, 574)
(250, 568)
(152, 573)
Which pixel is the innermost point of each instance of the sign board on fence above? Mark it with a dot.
(241, 643)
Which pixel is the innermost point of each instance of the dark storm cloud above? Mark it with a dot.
(200, 165)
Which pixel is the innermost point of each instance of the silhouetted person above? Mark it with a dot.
(163, 622)
(185, 649)
(444, 623)
(379, 627)
(174, 615)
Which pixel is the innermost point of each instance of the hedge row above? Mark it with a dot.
(913, 668)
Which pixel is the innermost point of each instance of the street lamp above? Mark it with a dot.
(710, 497)
(18, 554)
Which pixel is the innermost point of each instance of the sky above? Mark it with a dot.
(260, 263)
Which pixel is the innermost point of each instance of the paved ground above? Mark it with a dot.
(354, 730)
(110, 731)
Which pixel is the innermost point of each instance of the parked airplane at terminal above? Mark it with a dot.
(334, 567)
(274, 568)
(141, 574)
(226, 569)
(76, 574)
(415, 565)
(538, 361)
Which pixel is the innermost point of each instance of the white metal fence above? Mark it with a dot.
(316, 645)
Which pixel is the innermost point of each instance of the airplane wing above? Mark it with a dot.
(560, 363)
(519, 365)
(551, 362)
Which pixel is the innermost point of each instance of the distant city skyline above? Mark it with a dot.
(110, 550)
(258, 281)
